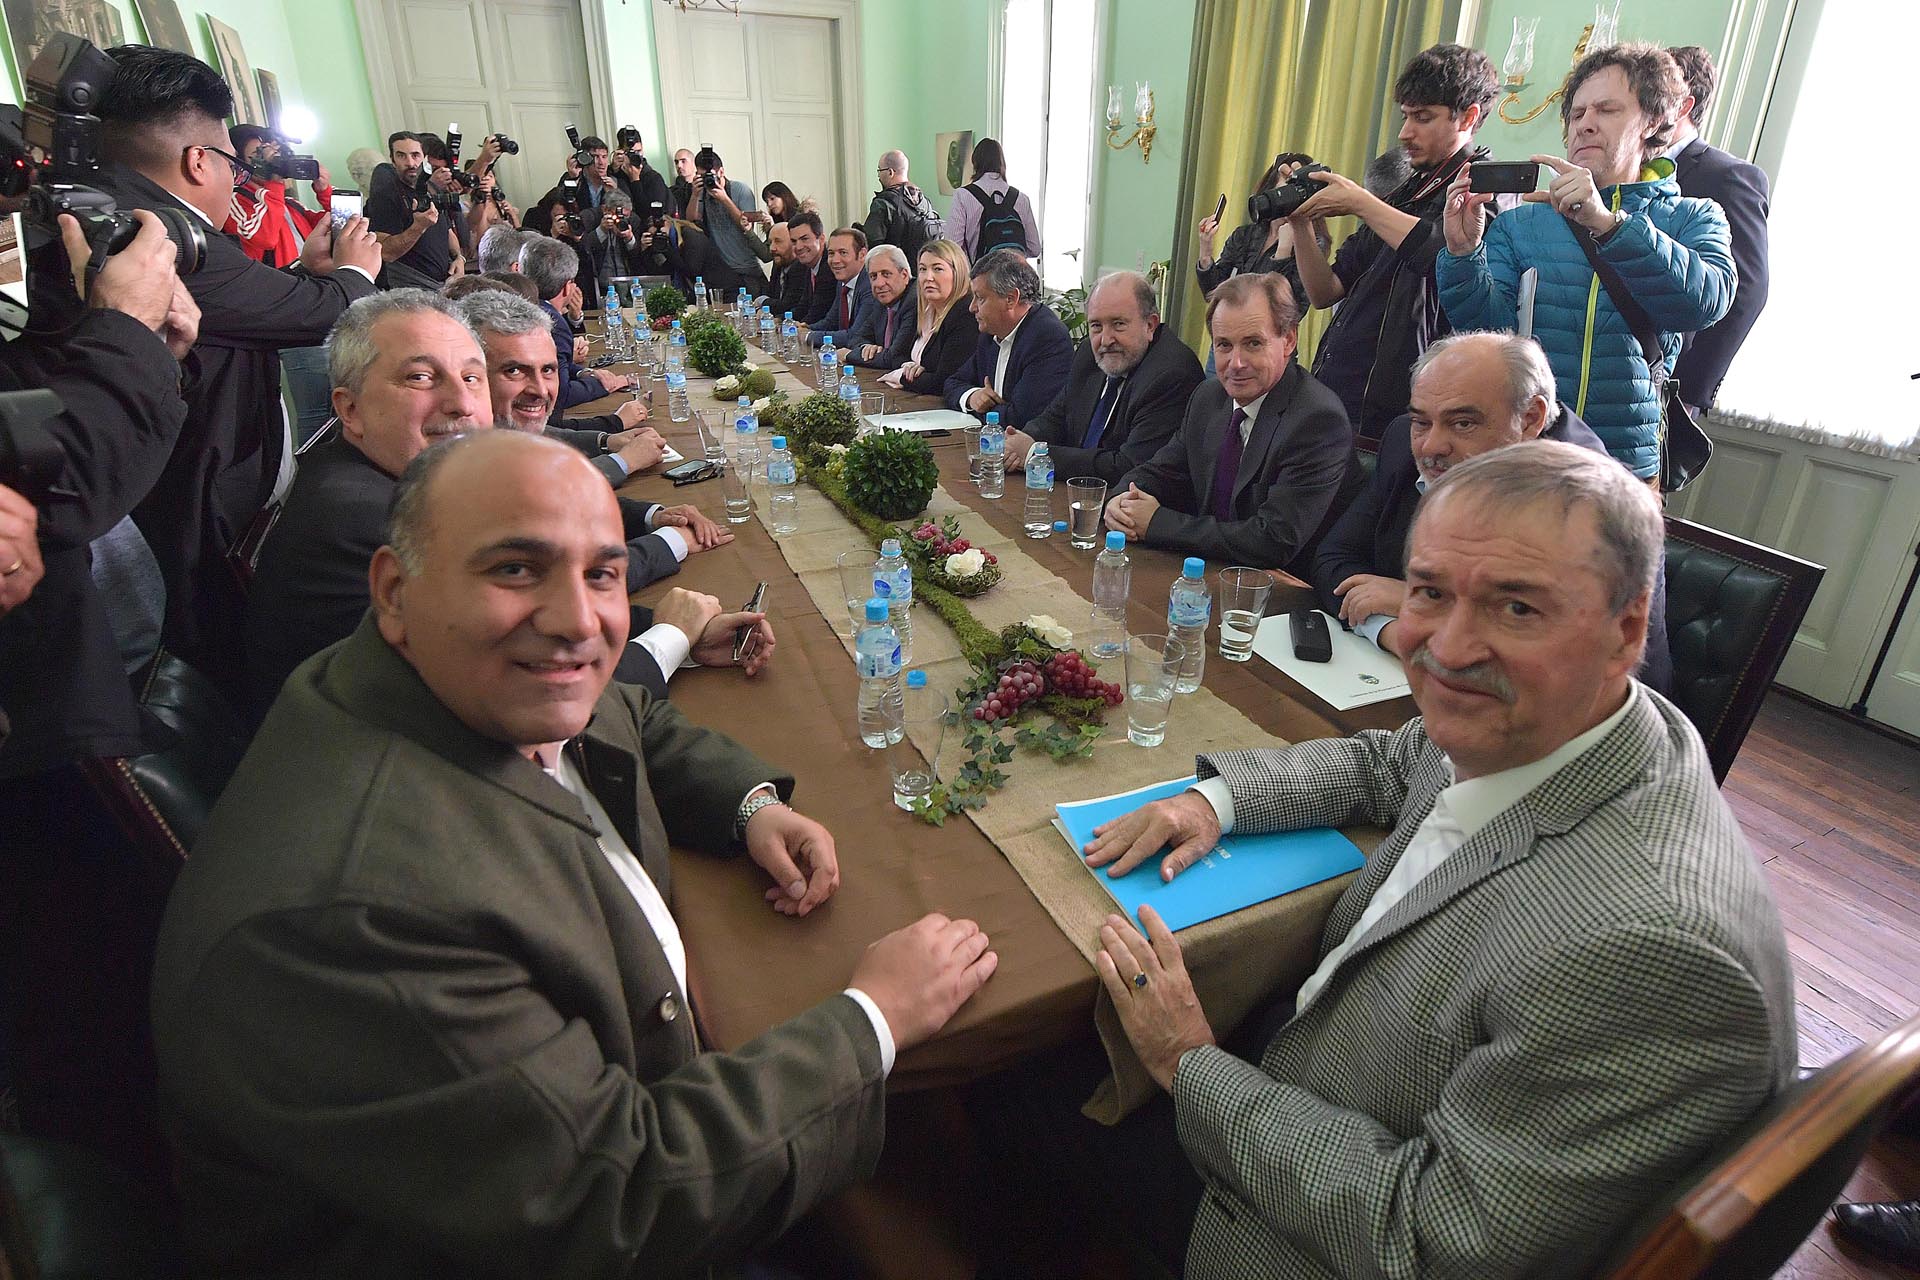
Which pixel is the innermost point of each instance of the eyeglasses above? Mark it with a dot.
(239, 166)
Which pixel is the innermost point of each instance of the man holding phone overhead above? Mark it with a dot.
(1383, 275)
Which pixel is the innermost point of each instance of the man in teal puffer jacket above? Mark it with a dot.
(1674, 253)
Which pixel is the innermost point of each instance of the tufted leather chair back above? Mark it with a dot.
(1733, 607)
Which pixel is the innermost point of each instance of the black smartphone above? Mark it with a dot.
(1220, 208)
(743, 637)
(1503, 177)
(692, 472)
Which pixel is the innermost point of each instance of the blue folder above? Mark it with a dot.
(1241, 870)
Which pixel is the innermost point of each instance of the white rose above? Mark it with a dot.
(966, 564)
(837, 450)
(760, 405)
(1044, 626)
(727, 386)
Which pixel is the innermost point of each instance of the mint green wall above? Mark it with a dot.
(1134, 201)
(636, 88)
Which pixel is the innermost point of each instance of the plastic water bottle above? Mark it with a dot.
(616, 324)
(877, 655)
(749, 319)
(677, 340)
(679, 408)
(789, 335)
(1112, 588)
(783, 493)
(1189, 606)
(829, 364)
(768, 341)
(993, 457)
(699, 293)
(746, 441)
(850, 388)
(1039, 517)
(893, 582)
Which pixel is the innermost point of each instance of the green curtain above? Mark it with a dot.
(1288, 75)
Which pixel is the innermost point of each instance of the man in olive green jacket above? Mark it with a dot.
(420, 1003)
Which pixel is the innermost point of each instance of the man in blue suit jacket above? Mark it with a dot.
(847, 259)
(1024, 353)
(1740, 189)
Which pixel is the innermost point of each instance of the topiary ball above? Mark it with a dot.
(757, 384)
(664, 300)
(891, 474)
(715, 349)
(820, 420)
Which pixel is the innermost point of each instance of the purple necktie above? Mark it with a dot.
(1227, 468)
(845, 319)
(892, 312)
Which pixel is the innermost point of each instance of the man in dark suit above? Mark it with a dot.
(884, 331)
(1264, 462)
(1741, 191)
(1472, 393)
(1126, 394)
(552, 266)
(806, 287)
(310, 588)
(1021, 361)
(427, 929)
(847, 260)
(165, 140)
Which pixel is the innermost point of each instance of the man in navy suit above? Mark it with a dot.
(1024, 353)
(1741, 190)
(1263, 463)
(847, 259)
(1472, 393)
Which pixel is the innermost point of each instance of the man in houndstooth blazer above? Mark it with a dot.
(1518, 1051)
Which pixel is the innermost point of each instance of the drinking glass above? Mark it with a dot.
(1243, 598)
(856, 584)
(873, 404)
(713, 438)
(1152, 664)
(923, 721)
(972, 435)
(739, 499)
(1086, 498)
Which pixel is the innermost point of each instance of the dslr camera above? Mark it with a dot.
(706, 160)
(628, 139)
(1281, 199)
(581, 156)
(49, 152)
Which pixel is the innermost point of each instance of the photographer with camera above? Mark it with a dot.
(413, 224)
(1383, 277)
(1263, 244)
(613, 242)
(163, 142)
(270, 223)
(641, 181)
(724, 209)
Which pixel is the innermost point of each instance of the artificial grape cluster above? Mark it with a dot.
(1069, 674)
(940, 543)
(1024, 682)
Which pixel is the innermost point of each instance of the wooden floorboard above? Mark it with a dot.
(1832, 810)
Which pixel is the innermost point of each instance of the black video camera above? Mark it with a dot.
(50, 151)
(1281, 199)
(285, 165)
(31, 460)
(581, 156)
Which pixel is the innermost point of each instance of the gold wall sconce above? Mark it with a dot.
(1598, 34)
(1143, 127)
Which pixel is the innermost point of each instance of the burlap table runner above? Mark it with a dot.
(1237, 960)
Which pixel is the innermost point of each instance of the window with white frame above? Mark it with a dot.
(1834, 350)
(1046, 91)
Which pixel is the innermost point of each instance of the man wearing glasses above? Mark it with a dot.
(165, 143)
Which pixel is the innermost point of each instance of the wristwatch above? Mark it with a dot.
(1619, 220)
(758, 799)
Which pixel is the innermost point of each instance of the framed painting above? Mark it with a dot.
(237, 72)
(31, 23)
(166, 29)
(270, 98)
(953, 153)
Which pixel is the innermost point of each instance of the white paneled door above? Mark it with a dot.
(765, 89)
(517, 67)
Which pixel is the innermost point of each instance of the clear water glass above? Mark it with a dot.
(972, 436)
(873, 404)
(713, 438)
(739, 498)
(915, 768)
(1243, 599)
(1086, 500)
(1153, 663)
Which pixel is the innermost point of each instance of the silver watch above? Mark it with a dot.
(753, 804)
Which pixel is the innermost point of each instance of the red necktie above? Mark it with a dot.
(1227, 467)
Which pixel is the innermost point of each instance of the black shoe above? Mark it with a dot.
(1888, 1231)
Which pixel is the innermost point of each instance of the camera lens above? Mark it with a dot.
(189, 240)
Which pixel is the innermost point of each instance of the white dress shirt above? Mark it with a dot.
(1000, 365)
(1459, 813)
(654, 907)
(1252, 411)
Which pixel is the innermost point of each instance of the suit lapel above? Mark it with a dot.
(1266, 430)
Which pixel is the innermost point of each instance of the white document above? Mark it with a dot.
(670, 455)
(926, 420)
(1359, 675)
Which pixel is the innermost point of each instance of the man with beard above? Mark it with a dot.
(1382, 277)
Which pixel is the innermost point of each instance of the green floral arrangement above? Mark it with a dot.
(693, 322)
(890, 474)
(820, 420)
(941, 556)
(663, 302)
(754, 384)
(715, 349)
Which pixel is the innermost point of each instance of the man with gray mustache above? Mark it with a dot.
(1556, 985)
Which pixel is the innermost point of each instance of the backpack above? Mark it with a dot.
(1000, 224)
(914, 222)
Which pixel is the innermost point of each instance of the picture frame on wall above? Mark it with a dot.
(270, 97)
(953, 152)
(166, 29)
(237, 72)
(31, 23)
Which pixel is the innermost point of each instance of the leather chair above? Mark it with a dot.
(1745, 1210)
(68, 1214)
(244, 556)
(1369, 454)
(162, 799)
(1733, 607)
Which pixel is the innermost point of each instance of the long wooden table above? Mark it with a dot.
(750, 968)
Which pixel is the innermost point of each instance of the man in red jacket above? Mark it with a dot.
(271, 226)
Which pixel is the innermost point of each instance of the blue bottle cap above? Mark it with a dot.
(745, 403)
(891, 547)
(1059, 526)
(876, 610)
(786, 315)
(1116, 540)
(779, 442)
(993, 417)
(1195, 567)
(916, 679)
